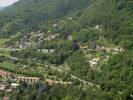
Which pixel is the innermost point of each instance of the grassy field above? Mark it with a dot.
(2, 42)
(9, 66)
(3, 50)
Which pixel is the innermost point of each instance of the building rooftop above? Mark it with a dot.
(14, 84)
(4, 72)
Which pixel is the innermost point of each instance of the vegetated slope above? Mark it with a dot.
(116, 18)
(29, 14)
(116, 23)
(47, 8)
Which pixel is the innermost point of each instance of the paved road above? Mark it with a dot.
(84, 82)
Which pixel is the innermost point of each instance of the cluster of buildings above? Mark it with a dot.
(94, 61)
(5, 74)
(7, 89)
(8, 75)
(29, 80)
(29, 40)
(33, 39)
(51, 82)
(113, 50)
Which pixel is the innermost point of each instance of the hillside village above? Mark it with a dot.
(34, 39)
(16, 80)
(94, 60)
(66, 50)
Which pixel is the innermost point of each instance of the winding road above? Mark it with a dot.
(76, 77)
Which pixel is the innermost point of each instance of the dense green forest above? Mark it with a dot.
(21, 13)
(95, 23)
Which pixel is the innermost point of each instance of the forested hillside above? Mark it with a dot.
(31, 14)
(86, 42)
